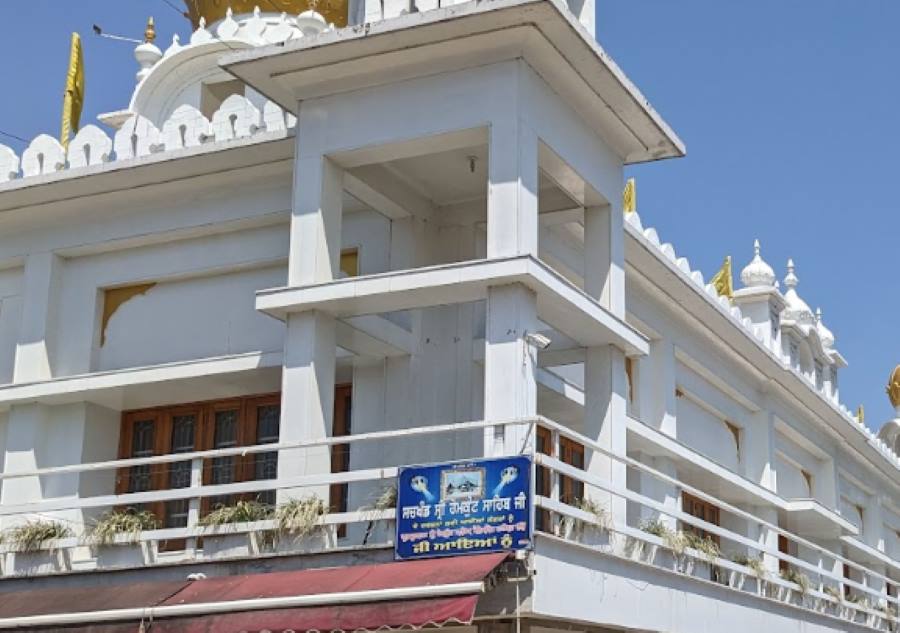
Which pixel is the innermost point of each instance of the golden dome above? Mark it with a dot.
(334, 11)
(893, 387)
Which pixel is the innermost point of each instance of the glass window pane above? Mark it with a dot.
(139, 477)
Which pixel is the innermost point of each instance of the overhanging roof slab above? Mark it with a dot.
(543, 32)
(560, 304)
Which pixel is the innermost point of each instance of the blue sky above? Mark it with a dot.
(788, 109)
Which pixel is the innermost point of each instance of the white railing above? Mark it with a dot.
(818, 585)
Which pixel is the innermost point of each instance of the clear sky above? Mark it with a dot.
(789, 110)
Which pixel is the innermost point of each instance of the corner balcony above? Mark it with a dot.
(588, 562)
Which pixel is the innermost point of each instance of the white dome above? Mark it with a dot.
(825, 334)
(795, 307)
(758, 274)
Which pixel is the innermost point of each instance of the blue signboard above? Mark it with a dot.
(463, 508)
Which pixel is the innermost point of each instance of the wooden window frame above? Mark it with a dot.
(341, 425)
(204, 439)
(702, 510)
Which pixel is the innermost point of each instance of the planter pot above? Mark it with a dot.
(226, 545)
(123, 555)
(316, 542)
(40, 562)
(381, 533)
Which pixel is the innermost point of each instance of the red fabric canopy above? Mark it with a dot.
(338, 616)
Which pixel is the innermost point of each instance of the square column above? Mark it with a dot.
(33, 349)
(510, 389)
(605, 381)
(512, 198)
(307, 396)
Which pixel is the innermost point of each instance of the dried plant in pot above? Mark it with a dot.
(224, 536)
(380, 531)
(34, 547)
(595, 532)
(298, 524)
(115, 538)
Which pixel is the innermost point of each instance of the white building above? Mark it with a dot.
(306, 254)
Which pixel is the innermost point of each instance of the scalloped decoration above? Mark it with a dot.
(274, 117)
(697, 277)
(669, 251)
(634, 220)
(236, 118)
(45, 155)
(137, 137)
(9, 164)
(684, 265)
(91, 146)
(652, 236)
(187, 127)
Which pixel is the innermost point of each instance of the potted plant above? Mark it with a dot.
(596, 532)
(222, 539)
(35, 548)
(800, 579)
(298, 526)
(378, 530)
(115, 538)
(755, 564)
(709, 553)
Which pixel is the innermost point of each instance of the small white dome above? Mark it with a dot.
(795, 307)
(758, 274)
(825, 334)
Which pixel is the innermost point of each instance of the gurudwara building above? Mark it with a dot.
(324, 245)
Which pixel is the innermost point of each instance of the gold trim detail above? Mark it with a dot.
(334, 11)
(150, 31)
(114, 298)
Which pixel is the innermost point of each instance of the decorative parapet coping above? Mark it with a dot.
(236, 118)
(651, 237)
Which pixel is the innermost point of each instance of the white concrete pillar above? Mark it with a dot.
(35, 343)
(604, 257)
(765, 536)
(307, 397)
(315, 251)
(510, 390)
(656, 389)
(759, 449)
(604, 420)
(512, 204)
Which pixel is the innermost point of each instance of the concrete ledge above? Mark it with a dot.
(561, 305)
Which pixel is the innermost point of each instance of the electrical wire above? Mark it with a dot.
(174, 8)
(13, 136)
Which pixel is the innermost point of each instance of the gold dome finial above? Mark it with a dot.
(334, 11)
(861, 414)
(893, 387)
(150, 31)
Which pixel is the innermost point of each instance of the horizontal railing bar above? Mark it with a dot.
(265, 448)
(176, 494)
(574, 435)
(589, 478)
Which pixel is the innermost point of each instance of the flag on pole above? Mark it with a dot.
(73, 99)
(629, 197)
(722, 281)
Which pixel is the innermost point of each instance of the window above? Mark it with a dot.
(350, 262)
(194, 427)
(775, 319)
(629, 374)
(820, 375)
(570, 490)
(702, 510)
(784, 546)
(340, 453)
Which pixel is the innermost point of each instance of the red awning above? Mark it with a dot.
(408, 594)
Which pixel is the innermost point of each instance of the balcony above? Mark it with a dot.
(731, 568)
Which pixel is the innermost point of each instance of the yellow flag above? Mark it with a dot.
(722, 281)
(629, 197)
(74, 96)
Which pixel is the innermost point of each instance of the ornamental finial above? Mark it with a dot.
(150, 31)
(893, 387)
(790, 279)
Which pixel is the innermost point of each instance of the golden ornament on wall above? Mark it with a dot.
(893, 387)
